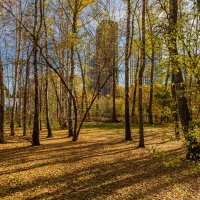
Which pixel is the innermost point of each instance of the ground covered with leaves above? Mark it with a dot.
(99, 166)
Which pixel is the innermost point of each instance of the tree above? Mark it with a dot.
(175, 108)
(26, 92)
(198, 5)
(152, 41)
(71, 80)
(2, 139)
(49, 135)
(135, 88)
(17, 66)
(185, 118)
(127, 57)
(140, 78)
(36, 128)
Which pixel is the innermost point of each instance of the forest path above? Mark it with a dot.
(99, 166)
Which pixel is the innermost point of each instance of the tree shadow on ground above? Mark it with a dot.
(114, 169)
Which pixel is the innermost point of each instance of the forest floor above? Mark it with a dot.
(98, 166)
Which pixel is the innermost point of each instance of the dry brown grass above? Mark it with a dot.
(99, 166)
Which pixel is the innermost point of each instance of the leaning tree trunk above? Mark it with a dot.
(193, 146)
(127, 56)
(2, 139)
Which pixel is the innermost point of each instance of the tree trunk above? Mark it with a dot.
(127, 57)
(72, 131)
(49, 135)
(134, 119)
(84, 100)
(114, 115)
(2, 131)
(17, 63)
(12, 123)
(25, 94)
(175, 109)
(19, 109)
(36, 128)
(184, 114)
(140, 79)
(40, 101)
(150, 114)
(198, 5)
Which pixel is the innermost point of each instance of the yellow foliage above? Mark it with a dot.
(71, 40)
(87, 2)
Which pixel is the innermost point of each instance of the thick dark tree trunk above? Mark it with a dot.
(150, 107)
(140, 79)
(73, 126)
(184, 114)
(49, 135)
(36, 127)
(127, 57)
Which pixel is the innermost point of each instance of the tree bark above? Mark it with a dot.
(114, 115)
(2, 102)
(140, 79)
(127, 57)
(175, 109)
(18, 45)
(72, 131)
(49, 135)
(19, 109)
(36, 128)
(150, 114)
(25, 94)
(134, 119)
(152, 40)
(184, 114)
